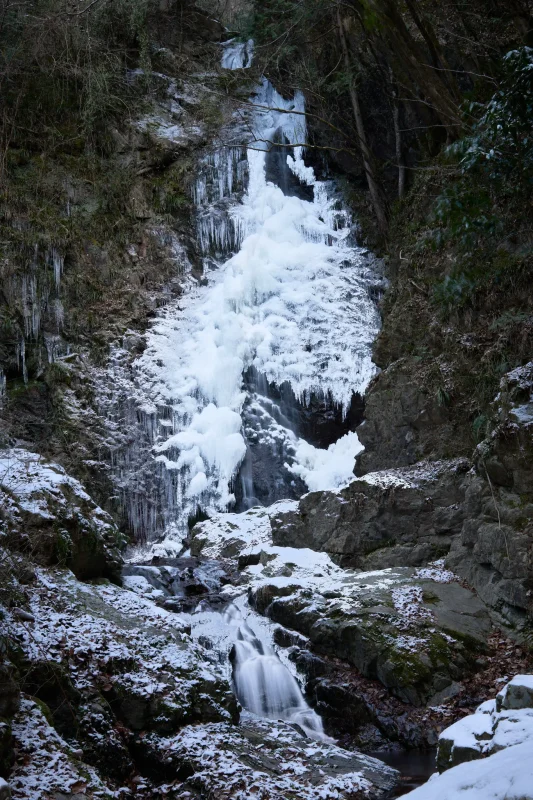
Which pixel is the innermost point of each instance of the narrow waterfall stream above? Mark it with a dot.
(263, 684)
(282, 323)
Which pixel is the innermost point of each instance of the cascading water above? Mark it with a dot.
(263, 684)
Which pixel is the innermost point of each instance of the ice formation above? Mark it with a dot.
(291, 301)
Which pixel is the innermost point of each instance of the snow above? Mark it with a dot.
(97, 630)
(507, 775)
(228, 762)
(471, 732)
(45, 764)
(513, 727)
(436, 571)
(522, 680)
(493, 727)
(26, 475)
(30, 484)
(407, 601)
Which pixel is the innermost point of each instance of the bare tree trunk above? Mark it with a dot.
(397, 136)
(411, 59)
(376, 196)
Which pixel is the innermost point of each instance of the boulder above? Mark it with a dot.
(505, 722)
(266, 758)
(50, 514)
(416, 634)
(139, 660)
(404, 517)
(518, 693)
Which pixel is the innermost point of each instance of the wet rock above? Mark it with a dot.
(7, 754)
(9, 689)
(178, 584)
(277, 170)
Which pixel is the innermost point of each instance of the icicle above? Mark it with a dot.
(3, 387)
(21, 359)
(57, 262)
(292, 302)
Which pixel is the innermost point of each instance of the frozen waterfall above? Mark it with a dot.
(287, 295)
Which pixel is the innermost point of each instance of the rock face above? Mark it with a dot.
(495, 549)
(393, 518)
(49, 513)
(404, 421)
(416, 635)
(479, 519)
(103, 666)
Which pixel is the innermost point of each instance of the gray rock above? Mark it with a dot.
(496, 724)
(417, 636)
(393, 518)
(517, 694)
(268, 759)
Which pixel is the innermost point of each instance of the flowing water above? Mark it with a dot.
(264, 685)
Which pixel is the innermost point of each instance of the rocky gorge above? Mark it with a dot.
(262, 534)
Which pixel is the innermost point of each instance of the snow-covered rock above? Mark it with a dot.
(417, 631)
(138, 658)
(507, 775)
(49, 513)
(518, 693)
(269, 761)
(47, 766)
(497, 724)
(131, 686)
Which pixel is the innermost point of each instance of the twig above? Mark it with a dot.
(497, 512)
